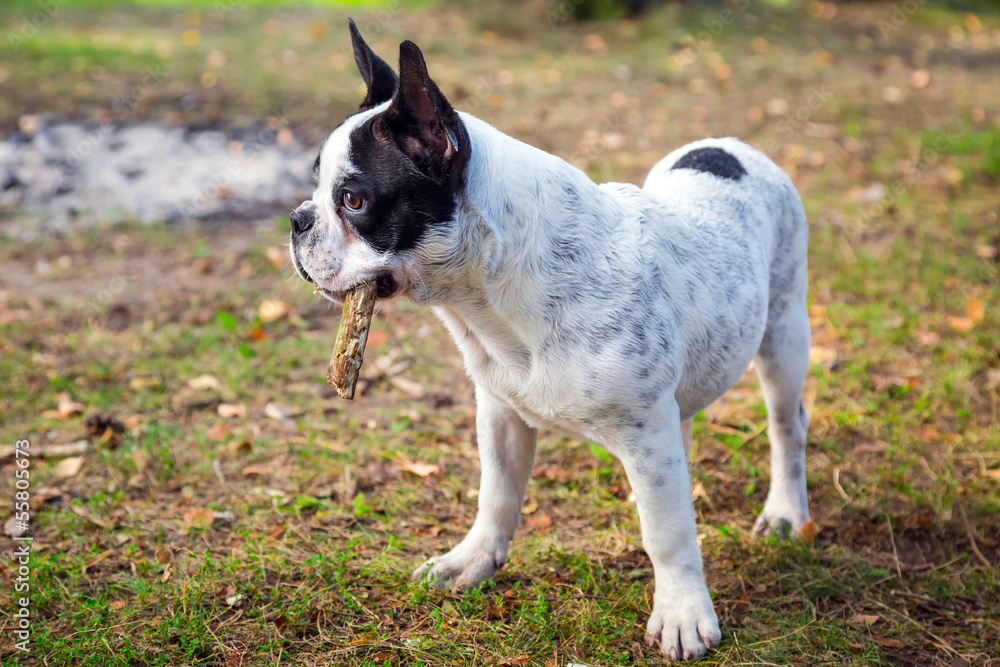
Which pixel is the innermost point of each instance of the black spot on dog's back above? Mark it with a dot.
(713, 161)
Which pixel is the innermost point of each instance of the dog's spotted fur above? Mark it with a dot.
(608, 312)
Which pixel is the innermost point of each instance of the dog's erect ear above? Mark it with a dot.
(378, 76)
(424, 125)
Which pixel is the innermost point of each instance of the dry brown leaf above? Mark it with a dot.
(377, 337)
(230, 410)
(272, 310)
(257, 469)
(278, 257)
(962, 324)
(986, 251)
(407, 386)
(68, 467)
(864, 619)
(810, 531)
(419, 469)
(146, 383)
(140, 458)
(530, 508)
(825, 356)
(162, 555)
(975, 310)
(198, 517)
(217, 432)
(928, 337)
(117, 604)
(12, 529)
(281, 412)
(68, 407)
(540, 524)
(240, 446)
(204, 382)
(889, 642)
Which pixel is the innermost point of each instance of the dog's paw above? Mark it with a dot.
(462, 567)
(685, 626)
(781, 520)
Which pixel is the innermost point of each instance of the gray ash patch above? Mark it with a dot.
(67, 175)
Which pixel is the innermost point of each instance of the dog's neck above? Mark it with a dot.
(520, 214)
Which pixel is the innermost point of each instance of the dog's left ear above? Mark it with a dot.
(422, 122)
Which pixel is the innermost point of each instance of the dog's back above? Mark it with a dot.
(732, 232)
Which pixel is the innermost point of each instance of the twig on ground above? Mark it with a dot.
(972, 536)
(836, 485)
(895, 554)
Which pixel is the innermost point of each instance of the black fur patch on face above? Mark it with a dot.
(713, 161)
(400, 203)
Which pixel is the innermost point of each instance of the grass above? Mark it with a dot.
(195, 538)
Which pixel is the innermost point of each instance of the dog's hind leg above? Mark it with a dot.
(782, 364)
(507, 456)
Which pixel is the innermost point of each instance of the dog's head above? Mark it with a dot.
(387, 182)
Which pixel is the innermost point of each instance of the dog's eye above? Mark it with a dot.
(352, 201)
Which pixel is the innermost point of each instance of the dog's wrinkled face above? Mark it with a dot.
(387, 178)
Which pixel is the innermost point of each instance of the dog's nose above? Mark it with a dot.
(302, 220)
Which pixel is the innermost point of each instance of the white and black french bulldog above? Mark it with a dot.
(609, 312)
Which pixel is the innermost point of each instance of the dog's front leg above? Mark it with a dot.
(683, 619)
(506, 455)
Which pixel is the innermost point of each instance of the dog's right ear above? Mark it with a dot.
(378, 76)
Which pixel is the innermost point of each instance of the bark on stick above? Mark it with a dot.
(348, 353)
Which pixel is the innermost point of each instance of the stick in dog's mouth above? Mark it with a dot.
(349, 351)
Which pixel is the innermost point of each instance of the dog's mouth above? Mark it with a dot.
(386, 287)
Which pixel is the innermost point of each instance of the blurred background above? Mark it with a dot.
(200, 496)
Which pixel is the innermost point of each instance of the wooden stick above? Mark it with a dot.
(348, 353)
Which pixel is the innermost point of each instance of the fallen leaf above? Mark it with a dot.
(863, 619)
(217, 432)
(963, 324)
(888, 642)
(986, 251)
(68, 407)
(825, 356)
(975, 310)
(281, 412)
(377, 337)
(204, 382)
(198, 517)
(540, 524)
(68, 467)
(530, 508)
(162, 555)
(407, 386)
(928, 337)
(240, 446)
(809, 531)
(117, 604)
(419, 469)
(146, 383)
(13, 529)
(229, 410)
(271, 310)
(278, 257)
(140, 458)
(920, 79)
(257, 469)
